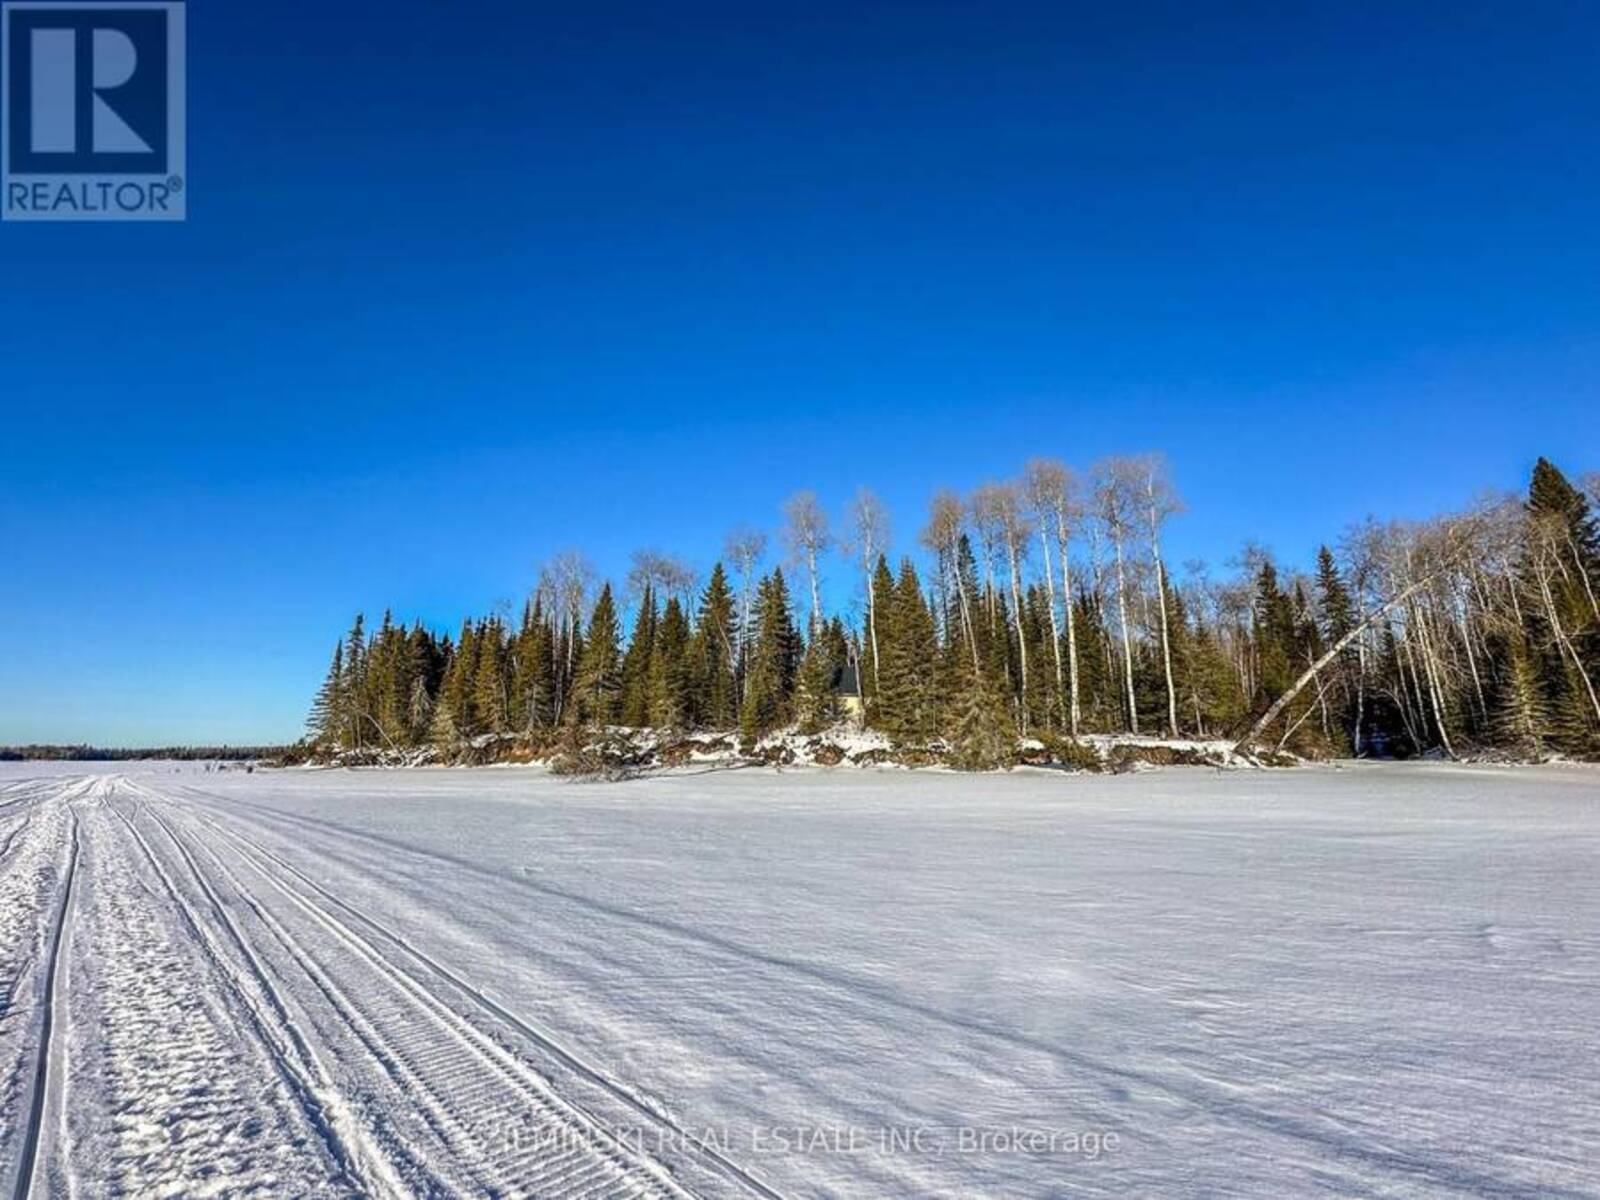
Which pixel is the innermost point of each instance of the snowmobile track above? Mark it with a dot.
(714, 1160)
(285, 1045)
(29, 1154)
(435, 1071)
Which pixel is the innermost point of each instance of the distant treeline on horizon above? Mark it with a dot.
(168, 753)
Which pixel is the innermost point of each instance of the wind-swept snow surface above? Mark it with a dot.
(1377, 981)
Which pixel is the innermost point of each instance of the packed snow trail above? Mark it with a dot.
(1373, 982)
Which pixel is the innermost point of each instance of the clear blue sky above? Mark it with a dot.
(465, 284)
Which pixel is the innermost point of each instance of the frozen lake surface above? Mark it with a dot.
(1381, 980)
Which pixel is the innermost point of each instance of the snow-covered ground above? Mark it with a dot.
(1382, 980)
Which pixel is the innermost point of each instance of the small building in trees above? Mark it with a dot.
(847, 693)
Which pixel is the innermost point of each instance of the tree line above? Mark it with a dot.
(1040, 607)
(83, 753)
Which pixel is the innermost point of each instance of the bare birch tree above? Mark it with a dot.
(664, 574)
(1049, 488)
(985, 515)
(568, 579)
(998, 511)
(869, 520)
(942, 535)
(1160, 501)
(1116, 503)
(745, 549)
(806, 533)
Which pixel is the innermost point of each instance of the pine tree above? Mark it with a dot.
(452, 710)
(1521, 719)
(353, 688)
(908, 702)
(982, 737)
(597, 688)
(671, 685)
(1338, 617)
(1277, 635)
(1561, 576)
(774, 661)
(326, 722)
(882, 585)
(534, 678)
(489, 688)
(637, 668)
(816, 706)
(711, 654)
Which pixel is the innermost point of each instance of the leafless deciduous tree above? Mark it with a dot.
(1159, 499)
(1117, 505)
(745, 548)
(806, 534)
(942, 535)
(869, 523)
(1048, 485)
(998, 512)
(663, 574)
(567, 579)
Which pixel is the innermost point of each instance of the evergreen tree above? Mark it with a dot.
(1338, 617)
(671, 690)
(711, 655)
(597, 688)
(882, 585)
(452, 713)
(1521, 719)
(982, 736)
(534, 681)
(1561, 577)
(353, 689)
(489, 682)
(816, 706)
(774, 661)
(1277, 637)
(326, 722)
(909, 702)
(637, 668)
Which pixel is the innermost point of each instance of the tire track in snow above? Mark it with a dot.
(32, 872)
(274, 1028)
(420, 1070)
(27, 1165)
(720, 1163)
(463, 1076)
(5, 847)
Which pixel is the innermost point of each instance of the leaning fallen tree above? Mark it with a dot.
(1458, 535)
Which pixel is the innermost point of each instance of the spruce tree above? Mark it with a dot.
(489, 690)
(671, 684)
(711, 655)
(774, 661)
(1277, 637)
(1521, 719)
(1561, 576)
(637, 662)
(353, 685)
(908, 699)
(816, 706)
(452, 714)
(534, 682)
(882, 584)
(597, 688)
(326, 722)
(982, 736)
